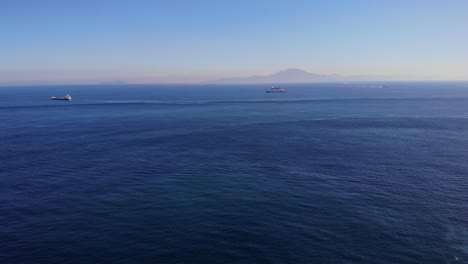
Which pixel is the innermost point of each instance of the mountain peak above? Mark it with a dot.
(291, 75)
(293, 70)
(294, 73)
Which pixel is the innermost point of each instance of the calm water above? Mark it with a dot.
(224, 174)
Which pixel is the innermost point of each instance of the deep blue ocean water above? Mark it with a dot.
(324, 173)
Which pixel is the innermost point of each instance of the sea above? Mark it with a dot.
(323, 173)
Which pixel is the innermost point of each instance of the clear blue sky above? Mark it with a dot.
(174, 40)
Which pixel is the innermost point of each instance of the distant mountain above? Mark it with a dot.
(286, 76)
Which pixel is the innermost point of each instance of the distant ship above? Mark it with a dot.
(65, 98)
(275, 89)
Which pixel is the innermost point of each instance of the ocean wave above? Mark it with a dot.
(217, 102)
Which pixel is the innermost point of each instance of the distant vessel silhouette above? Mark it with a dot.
(275, 89)
(65, 98)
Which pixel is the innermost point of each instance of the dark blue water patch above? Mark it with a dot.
(338, 182)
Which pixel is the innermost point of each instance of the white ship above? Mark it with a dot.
(65, 98)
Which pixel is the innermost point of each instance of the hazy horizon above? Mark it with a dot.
(60, 42)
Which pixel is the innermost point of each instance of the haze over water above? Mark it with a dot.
(324, 173)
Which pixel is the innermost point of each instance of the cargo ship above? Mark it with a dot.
(65, 98)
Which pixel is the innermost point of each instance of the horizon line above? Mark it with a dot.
(3, 85)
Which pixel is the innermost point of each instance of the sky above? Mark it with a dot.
(143, 41)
